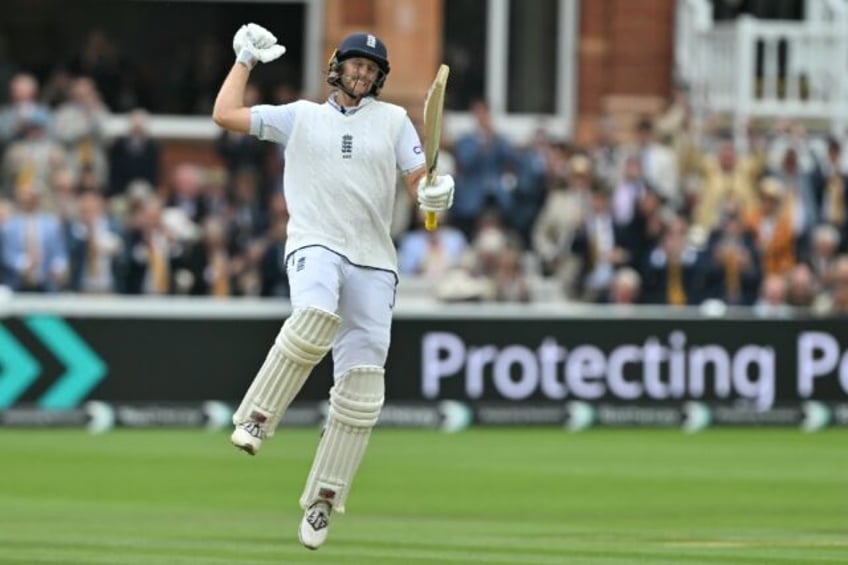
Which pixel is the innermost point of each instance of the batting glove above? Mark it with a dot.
(253, 43)
(436, 197)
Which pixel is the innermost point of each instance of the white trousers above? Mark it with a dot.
(362, 297)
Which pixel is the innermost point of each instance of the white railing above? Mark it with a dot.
(756, 68)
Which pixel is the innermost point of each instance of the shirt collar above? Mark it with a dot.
(348, 111)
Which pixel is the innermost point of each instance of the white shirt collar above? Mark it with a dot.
(348, 110)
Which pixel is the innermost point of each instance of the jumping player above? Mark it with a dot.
(342, 158)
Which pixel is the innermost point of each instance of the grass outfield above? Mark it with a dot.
(482, 496)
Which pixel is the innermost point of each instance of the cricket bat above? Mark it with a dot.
(433, 132)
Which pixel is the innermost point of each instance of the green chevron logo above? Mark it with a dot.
(19, 369)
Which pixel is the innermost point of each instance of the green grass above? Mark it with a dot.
(530, 497)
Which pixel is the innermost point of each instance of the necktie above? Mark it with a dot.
(33, 250)
(92, 252)
(836, 200)
(159, 268)
(675, 293)
(732, 280)
(220, 274)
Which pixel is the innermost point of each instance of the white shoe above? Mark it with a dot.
(248, 436)
(313, 528)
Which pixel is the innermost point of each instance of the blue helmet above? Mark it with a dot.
(365, 45)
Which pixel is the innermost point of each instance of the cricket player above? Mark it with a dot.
(342, 158)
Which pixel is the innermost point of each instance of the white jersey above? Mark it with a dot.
(341, 174)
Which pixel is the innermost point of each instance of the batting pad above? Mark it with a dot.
(304, 339)
(355, 403)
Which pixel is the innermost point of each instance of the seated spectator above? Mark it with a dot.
(802, 287)
(80, 126)
(771, 222)
(95, 248)
(836, 303)
(832, 189)
(35, 256)
(564, 211)
(209, 263)
(33, 158)
(625, 288)
(186, 192)
(510, 281)
(646, 229)
(600, 246)
(824, 250)
(732, 262)
(430, 254)
(149, 251)
(772, 301)
(671, 275)
(23, 104)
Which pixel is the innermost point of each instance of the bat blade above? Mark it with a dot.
(433, 106)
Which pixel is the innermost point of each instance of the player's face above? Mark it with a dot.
(359, 74)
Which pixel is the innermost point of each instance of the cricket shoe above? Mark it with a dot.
(248, 436)
(313, 528)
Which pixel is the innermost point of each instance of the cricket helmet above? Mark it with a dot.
(365, 45)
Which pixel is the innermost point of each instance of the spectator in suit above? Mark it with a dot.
(646, 229)
(831, 187)
(671, 275)
(658, 163)
(33, 158)
(34, 251)
(23, 103)
(600, 245)
(186, 192)
(80, 126)
(565, 210)
(148, 251)
(484, 162)
(95, 247)
(732, 262)
(799, 197)
(135, 156)
(209, 263)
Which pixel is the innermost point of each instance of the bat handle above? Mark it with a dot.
(431, 221)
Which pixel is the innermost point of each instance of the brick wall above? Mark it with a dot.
(625, 57)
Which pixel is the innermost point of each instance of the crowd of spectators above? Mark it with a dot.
(660, 214)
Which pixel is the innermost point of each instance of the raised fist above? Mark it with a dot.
(253, 43)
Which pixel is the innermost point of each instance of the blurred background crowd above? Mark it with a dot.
(659, 213)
